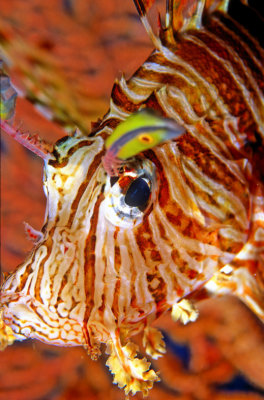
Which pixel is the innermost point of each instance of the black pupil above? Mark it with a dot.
(138, 193)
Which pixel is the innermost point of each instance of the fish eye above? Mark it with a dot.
(129, 196)
(138, 193)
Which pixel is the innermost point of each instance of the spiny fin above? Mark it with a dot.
(187, 14)
(181, 16)
(184, 311)
(244, 276)
(153, 342)
(7, 112)
(142, 7)
(33, 143)
(217, 5)
(131, 373)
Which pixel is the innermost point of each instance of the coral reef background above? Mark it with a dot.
(66, 54)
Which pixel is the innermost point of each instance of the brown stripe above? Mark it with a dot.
(192, 93)
(224, 54)
(115, 306)
(158, 293)
(117, 258)
(179, 108)
(215, 73)
(37, 291)
(89, 256)
(162, 78)
(28, 271)
(107, 122)
(94, 165)
(218, 129)
(235, 27)
(122, 101)
(23, 280)
(133, 298)
(153, 103)
(163, 193)
(104, 262)
(62, 162)
(212, 166)
(127, 105)
(148, 249)
(237, 44)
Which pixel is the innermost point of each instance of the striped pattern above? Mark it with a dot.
(88, 279)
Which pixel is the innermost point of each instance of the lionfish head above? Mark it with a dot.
(103, 232)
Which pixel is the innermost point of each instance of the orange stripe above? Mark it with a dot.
(91, 171)
(89, 256)
(60, 163)
(224, 54)
(242, 34)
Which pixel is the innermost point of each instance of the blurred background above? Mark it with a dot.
(64, 55)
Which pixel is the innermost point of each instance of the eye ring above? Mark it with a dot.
(126, 206)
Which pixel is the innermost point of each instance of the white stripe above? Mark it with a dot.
(141, 284)
(238, 60)
(133, 95)
(178, 61)
(238, 80)
(183, 102)
(116, 112)
(125, 274)
(245, 45)
(225, 199)
(145, 83)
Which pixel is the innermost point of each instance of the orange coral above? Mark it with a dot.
(226, 341)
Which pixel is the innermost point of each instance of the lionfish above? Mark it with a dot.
(160, 206)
